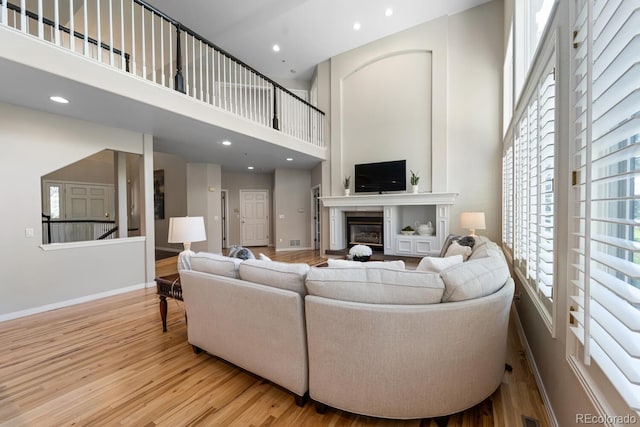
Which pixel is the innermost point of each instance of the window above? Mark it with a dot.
(507, 198)
(528, 186)
(530, 21)
(605, 290)
(507, 81)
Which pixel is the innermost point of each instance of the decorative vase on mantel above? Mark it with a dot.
(347, 191)
(414, 189)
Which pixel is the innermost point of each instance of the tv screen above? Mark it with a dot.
(382, 176)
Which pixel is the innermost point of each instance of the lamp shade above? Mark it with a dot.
(472, 220)
(186, 229)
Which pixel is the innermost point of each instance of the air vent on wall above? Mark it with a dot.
(294, 242)
(530, 422)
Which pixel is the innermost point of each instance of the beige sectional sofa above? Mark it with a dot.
(377, 341)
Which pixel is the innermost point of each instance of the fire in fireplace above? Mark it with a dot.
(365, 228)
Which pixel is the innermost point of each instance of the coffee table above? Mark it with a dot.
(167, 287)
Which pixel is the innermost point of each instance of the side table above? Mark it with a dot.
(167, 286)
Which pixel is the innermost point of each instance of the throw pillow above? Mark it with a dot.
(462, 241)
(241, 253)
(437, 264)
(457, 249)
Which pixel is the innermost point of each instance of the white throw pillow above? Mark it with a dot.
(263, 257)
(437, 264)
(456, 249)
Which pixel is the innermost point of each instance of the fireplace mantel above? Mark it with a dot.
(392, 199)
(392, 206)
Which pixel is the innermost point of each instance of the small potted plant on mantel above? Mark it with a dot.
(414, 181)
(347, 189)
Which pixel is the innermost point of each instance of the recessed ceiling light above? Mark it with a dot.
(226, 142)
(250, 167)
(276, 48)
(59, 99)
(388, 12)
(289, 159)
(356, 25)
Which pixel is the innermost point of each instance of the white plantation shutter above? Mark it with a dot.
(606, 240)
(534, 172)
(507, 198)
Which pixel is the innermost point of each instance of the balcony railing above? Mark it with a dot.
(136, 38)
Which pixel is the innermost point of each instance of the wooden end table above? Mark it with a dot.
(167, 286)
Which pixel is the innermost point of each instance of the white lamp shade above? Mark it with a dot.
(186, 229)
(472, 220)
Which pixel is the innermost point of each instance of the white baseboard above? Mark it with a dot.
(534, 368)
(68, 303)
(293, 249)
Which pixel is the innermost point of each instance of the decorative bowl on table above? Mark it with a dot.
(364, 258)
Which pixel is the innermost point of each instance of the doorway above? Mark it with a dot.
(254, 217)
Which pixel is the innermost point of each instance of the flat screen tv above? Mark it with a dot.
(381, 177)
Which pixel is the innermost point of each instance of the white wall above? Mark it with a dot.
(175, 194)
(474, 119)
(95, 169)
(35, 144)
(234, 182)
(454, 139)
(292, 205)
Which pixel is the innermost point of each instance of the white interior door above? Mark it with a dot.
(92, 202)
(254, 217)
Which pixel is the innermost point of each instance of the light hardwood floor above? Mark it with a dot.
(107, 362)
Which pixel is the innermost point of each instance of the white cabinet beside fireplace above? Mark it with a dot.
(416, 245)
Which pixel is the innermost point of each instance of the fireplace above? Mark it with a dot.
(365, 228)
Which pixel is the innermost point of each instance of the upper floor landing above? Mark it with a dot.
(125, 64)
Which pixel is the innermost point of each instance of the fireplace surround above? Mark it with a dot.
(365, 228)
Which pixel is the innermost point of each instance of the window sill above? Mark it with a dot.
(90, 243)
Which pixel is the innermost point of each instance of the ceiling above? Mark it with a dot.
(307, 31)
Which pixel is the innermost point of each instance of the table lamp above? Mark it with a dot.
(473, 221)
(186, 230)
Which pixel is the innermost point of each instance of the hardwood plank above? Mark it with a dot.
(107, 362)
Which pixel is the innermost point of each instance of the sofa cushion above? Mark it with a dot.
(394, 265)
(474, 279)
(215, 264)
(281, 275)
(437, 264)
(375, 285)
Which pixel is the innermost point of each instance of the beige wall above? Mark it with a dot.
(175, 194)
(434, 99)
(292, 208)
(34, 144)
(233, 182)
(96, 169)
